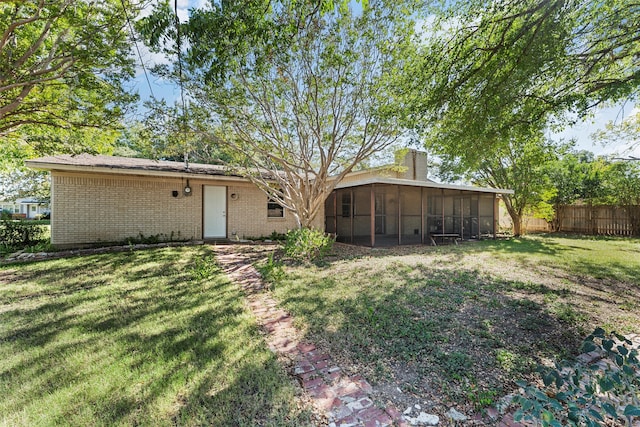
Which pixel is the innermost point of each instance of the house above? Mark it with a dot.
(28, 208)
(109, 199)
(99, 199)
(391, 206)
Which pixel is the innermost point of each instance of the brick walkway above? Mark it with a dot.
(344, 400)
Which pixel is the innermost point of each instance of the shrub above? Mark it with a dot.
(153, 239)
(5, 214)
(20, 234)
(271, 270)
(307, 244)
(203, 268)
(591, 395)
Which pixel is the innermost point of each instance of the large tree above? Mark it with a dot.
(62, 65)
(574, 175)
(519, 165)
(301, 89)
(622, 183)
(492, 70)
(492, 75)
(166, 132)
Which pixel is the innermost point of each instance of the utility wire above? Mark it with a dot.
(135, 42)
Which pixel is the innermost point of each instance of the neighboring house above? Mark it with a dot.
(25, 208)
(108, 199)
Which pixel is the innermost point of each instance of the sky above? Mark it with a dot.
(581, 132)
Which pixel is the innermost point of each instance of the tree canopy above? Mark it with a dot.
(62, 66)
(301, 91)
(491, 71)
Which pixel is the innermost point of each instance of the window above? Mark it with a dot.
(274, 209)
(346, 205)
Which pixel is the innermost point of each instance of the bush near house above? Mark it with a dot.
(307, 244)
(15, 235)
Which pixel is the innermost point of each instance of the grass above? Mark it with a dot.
(451, 322)
(155, 337)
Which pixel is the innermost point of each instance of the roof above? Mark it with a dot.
(30, 201)
(428, 184)
(135, 166)
(126, 165)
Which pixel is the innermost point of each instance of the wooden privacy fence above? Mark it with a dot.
(595, 220)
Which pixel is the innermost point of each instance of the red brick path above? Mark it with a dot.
(345, 400)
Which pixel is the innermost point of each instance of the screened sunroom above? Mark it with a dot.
(391, 212)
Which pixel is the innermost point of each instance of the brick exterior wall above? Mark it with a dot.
(97, 208)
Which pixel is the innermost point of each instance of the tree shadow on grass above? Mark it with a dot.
(154, 348)
(514, 246)
(434, 331)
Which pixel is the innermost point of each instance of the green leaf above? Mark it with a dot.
(619, 360)
(606, 384)
(622, 350)
(598, 332)
(540, 396)
(548, 379)
(588, 347)
(607, 344)
(621, 337)
(610, 409)
(556, 405)
(574, 415)
(632, 411)
(517, 416)
(628, 370)
(595, 414)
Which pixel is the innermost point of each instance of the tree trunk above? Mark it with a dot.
(517, 224)
(558, 214)
(516, 217)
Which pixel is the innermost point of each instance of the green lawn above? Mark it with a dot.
(457, 325)
(155, 337)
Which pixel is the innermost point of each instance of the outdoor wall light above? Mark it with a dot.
(174, 193)
(234, 196)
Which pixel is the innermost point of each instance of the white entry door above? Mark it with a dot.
(215, 212)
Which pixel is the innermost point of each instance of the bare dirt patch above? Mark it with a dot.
(452, 326)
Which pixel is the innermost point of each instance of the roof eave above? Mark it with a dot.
(412, 183)
(34, 164)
